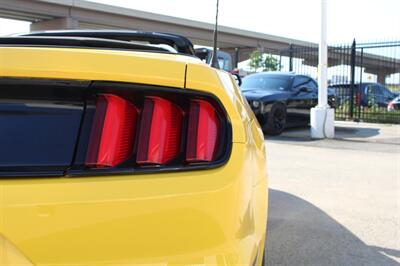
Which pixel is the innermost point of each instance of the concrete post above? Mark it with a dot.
(55, 24)
(382, 74)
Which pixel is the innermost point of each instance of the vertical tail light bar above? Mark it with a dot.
(160, 132)
(203, 132)
(113, 132)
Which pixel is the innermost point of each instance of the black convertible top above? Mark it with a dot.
(107, 39)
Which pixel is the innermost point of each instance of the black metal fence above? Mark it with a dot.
(365, 77)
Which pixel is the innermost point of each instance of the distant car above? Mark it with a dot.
(366, 94)
(394, 104)
(224, 59)
(280, 100)
(225, 62)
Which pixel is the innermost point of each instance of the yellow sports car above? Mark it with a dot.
(118, 150)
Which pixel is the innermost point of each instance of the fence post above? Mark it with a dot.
(359, 86)
(352, 77)
(291, 57)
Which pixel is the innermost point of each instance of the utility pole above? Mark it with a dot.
(322, 116)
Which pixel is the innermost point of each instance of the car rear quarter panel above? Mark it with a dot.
(195, 216)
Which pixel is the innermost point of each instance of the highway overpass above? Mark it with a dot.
(75, 14)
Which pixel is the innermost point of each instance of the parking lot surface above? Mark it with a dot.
(335, 202)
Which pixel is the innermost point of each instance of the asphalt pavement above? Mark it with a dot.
(335, 202)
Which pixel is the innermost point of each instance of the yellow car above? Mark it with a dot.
(125, 153)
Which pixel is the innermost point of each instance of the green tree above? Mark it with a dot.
(265, 62)
(270, 63)
(255, 60)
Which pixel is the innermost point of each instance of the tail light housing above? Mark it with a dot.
(134, 130)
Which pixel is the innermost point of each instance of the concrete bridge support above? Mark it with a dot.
(381, 73)
(55, 24)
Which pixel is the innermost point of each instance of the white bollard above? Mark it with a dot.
(322, 122)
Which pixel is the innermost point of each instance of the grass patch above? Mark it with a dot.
(373, 114)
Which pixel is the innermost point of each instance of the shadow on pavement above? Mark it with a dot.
(302, 134)
(364, 132)
(301, 234)
(294, 134)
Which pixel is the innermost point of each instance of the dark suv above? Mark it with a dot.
(366, 94)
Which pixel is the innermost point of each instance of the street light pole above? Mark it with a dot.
(322, 118)
(214, 58)
(323, 59)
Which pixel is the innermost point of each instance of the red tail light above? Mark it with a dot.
(203, 132)
(175, 130)
(160, 132)
(113, 131)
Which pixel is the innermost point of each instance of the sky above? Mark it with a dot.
(365, 20)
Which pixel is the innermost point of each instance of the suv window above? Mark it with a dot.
(312, 85)
(372, 89)
(224, 64)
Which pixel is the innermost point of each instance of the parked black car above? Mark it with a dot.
(280, 100)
